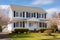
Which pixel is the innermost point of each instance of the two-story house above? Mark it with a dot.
(26, 17)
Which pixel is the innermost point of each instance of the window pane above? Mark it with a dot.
(23, 14)
(34, 14)
(40, 25)
(14, 24)
(20, 14)
(20, 24)
(45, 25)
(17, 24)
(42, 15)
(23, 24)
(14, 13)
(45, 15)
(37, 15)
(27, 14)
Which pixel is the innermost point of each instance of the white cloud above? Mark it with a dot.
(4, 6)
(52, 10)
(4, 9)
(36, 2)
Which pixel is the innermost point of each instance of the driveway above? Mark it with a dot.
(4, 36)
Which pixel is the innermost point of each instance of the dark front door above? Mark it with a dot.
(0, 29)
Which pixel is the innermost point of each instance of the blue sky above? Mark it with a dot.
(48, 5)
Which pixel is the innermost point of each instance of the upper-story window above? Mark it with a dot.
(23, 14)
(17, 14)
(38, 15)
(42, 15)
(20, 14)
(27, 14)
(14, 13)
(34, 15)
(45, 15)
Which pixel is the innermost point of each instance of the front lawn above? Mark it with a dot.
(31, 36)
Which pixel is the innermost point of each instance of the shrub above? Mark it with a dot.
(21, 30)
(43, 29)
(54, 27)
(48, 32)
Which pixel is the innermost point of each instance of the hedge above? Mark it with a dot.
(21, 30)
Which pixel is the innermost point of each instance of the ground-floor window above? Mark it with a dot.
(43, 25)
(19, 24)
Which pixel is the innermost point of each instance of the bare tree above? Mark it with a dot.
(53, 23)
(54, 15)
(4, 20)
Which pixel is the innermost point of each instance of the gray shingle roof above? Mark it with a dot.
(27, 9)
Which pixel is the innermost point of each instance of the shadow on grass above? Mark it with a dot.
(21, 35)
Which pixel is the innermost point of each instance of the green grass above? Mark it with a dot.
(30, 36)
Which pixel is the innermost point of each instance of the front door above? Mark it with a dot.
(33, 25)
(0, 29)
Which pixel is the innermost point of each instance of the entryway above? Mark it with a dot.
(0, 28)
(33, 26)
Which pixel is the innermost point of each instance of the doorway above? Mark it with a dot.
(0, 28)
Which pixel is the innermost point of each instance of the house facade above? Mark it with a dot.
(26, 17)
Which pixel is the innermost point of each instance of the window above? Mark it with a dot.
(37, 15)
(34, 14)
(45, 25)
(20, 14)
(16, 24)
(27, 14)
(40, 24)
(23, 14)
(42, 15)
(45, 15)
(21, 24)
(14, 13)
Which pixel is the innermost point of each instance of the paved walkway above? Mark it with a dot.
(4, 36)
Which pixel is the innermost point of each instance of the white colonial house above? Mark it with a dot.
(26, 17)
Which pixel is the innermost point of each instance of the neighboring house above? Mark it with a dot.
(26, 17)
(58, 22)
